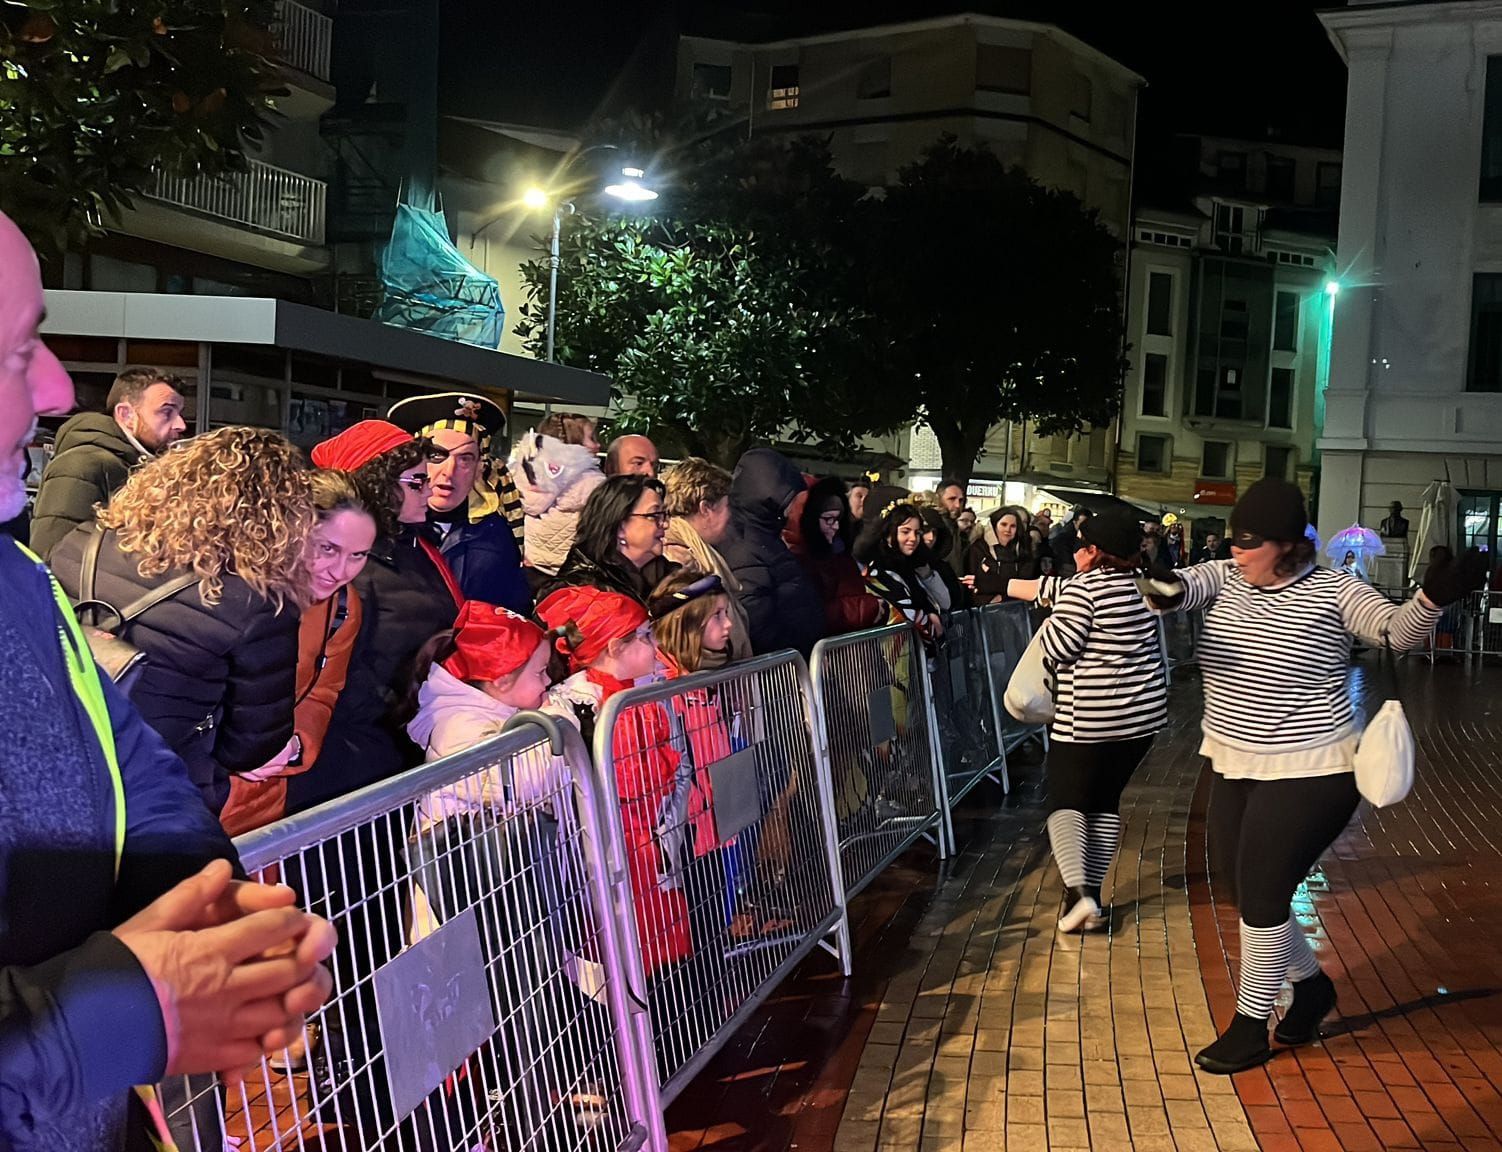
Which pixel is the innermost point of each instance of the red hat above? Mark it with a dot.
(359, 444)
(598, 616)
(491, 642)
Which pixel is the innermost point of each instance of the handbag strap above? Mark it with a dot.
(1390, 662)
(87, 572)
(155, 596)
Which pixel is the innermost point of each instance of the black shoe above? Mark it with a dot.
(1313, 1000)
(1241, 1046)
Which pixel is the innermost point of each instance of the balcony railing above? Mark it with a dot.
(304, 38)
(266, 198)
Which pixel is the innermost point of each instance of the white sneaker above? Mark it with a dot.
(1082, 913)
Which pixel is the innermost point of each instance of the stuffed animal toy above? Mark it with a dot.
(554, 479)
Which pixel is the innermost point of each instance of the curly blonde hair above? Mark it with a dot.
(236, 500)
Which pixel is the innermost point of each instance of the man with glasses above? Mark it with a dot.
(466, 519)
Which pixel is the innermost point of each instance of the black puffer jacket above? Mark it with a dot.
(782, 603)
(219, 681)
(405, 602)
(579, 571)
(92, 460)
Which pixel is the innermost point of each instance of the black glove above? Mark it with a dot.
(1449, 580)
(1160, 586)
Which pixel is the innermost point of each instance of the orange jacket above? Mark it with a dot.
(256, 803)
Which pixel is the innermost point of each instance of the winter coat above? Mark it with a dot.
(897, 580)
(706, 737)
(685, 547)
(646, 768)
(325, 642)
(782, 604)
(485, 560)
(849, 605)
(92, 460)
(993, 564)
(555, 481)
(219, 679)
(615, 575)
(81, 1019)
(406, 602)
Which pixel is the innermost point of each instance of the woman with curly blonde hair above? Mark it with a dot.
(199, 563)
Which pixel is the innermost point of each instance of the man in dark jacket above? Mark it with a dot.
(127, 952)
(474, 533)
(95, 451)
(1065, 540)
(782, 605)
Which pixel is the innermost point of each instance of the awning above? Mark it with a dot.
(298, 328)
(1097, 501)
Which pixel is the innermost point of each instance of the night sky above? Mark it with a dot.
(1251, 68)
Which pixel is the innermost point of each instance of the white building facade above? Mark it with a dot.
(1415, 392)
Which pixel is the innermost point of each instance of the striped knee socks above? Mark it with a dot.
(1067, 835)
(1266, 957)
(1302, 963)
(1102, 837)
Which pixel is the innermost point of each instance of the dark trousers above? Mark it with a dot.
(1090, 778)
(1265, 836)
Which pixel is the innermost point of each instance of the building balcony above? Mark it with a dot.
(266, 199)
(304, 39)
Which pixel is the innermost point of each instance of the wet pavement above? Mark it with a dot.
(970, 1023)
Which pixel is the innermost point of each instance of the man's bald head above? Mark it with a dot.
(631, 456)
(32, 382)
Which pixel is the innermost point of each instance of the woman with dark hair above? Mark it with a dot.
(893, 572)
(618, 545)
(1004, 553)
(821, 539)
(1280, 733)
(938, 575)
(407, 593)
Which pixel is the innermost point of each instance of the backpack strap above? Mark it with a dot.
(155, 597)
(88, 570)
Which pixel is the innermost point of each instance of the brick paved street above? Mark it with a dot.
(971, 1024)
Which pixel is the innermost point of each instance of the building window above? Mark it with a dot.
(1280, 399)
(782, 91)
(1231, 169)
(1166, 239)
(1280, 173)
(1152, 454)
(1277, 461)
(875, 80)
(1005, 70)
(1160, 304)
(1485, 369)
(1231, 233)
(1082, 97)
(1286, 322)
(711, 82)
(1327, 185)
(1216, 464)
(1154, 384)
(1491, 132)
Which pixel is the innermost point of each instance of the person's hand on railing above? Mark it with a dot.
(935, 627)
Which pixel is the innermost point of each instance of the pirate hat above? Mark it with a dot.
(466, 412)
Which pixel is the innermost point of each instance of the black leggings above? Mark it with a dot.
(1090, 778)
(1266, 835)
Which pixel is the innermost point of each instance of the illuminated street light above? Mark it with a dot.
(1332, 288)
(631, 189)
(535, 198)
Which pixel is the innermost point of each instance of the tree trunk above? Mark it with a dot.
(959, 447)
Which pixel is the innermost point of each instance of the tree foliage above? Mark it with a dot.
(1001, 299)
(95, 94)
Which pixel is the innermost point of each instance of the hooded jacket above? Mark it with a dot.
(992, 564)
(849, 605)
(782, 605)
(555, 481)
(92, 460)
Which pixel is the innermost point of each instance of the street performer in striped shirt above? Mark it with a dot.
(1110, 699)
(1280, 732)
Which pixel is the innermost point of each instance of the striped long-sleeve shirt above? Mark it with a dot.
(1275, 660)
(1104, 643)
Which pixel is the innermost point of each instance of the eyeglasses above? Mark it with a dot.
(659, 518)
(416, 483)
(830, 518)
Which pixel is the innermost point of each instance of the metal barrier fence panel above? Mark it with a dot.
(1007, 629)
(478, 994)
(968, 732)
(1181, 633)
(873, 699)
(725, 827)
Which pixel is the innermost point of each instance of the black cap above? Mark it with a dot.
(1272, 509)
(1116, 532)
(466, 412)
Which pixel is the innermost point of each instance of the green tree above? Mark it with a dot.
(730, 315)
(94, 94)
(1000, 298)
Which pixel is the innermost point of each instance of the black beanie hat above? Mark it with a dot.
(1272, 509)
(1116, 532)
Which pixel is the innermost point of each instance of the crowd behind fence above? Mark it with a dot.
(551, 974)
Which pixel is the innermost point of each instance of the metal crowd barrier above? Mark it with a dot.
(1179, 635)
(967, 713)
(478, 1000)
(873, 698)
(725, 819)
(1006, 630)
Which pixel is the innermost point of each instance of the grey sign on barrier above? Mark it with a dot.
(883, 723)
(737, 798)
(434, 1009)
(957, 681)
